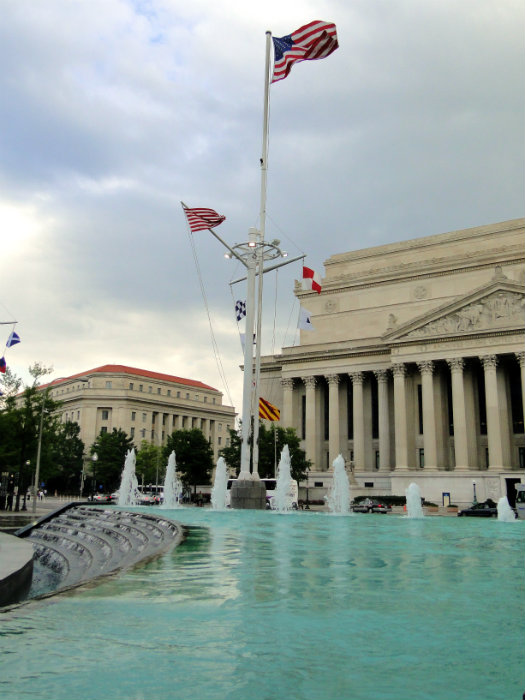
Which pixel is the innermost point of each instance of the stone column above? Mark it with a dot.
(311, 432)
(384, 425)
(205, 427)
(359, 420)
(521, 360)
(334, 438)
(287, 412)
(495, 413)
(459, 409)
(400, 416)
(426, 369)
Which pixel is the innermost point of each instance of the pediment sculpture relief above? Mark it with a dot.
(499, 309)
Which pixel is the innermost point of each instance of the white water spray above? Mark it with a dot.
(172, 484)
(281, 499)
(413, 498)
(129, 492)
(505, 512)
(338, 499)
(220, 485)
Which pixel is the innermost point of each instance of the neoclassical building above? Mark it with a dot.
(146, 405)
(415, 368)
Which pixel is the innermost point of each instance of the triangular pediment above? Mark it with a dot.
(497, 306)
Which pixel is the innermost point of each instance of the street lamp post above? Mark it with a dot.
(39, 450)
(474, 487)
(94, 458)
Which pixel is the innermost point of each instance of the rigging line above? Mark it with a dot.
(284, 234)
(288, 326)
(213, 340)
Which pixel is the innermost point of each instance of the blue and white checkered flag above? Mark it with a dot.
(240, 310)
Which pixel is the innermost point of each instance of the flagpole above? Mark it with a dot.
(262, 223)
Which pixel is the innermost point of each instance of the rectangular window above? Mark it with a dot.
(103, 430)
(205, 399)
(421, 458)
(132, 432)
(143, 417)
(78, 415)
(219, 441)
(105, 415)
(318, 483)
(377, 459)
(158, 390)
(131, 385)
(108, 385)
(369, 484)
(178, 394)
(143, 432)
(187, 395)
(196, 397)
(133, 415)
(141, 387)
(219, 427)
(150, 389)
(213, 400)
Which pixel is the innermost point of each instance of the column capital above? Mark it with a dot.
(520, 356)
(426, 367)
(332, 379)
(399, 370)
(287, 383)
(309, 382)
(381, 375)
(356, 377)
(456, 364)
(489, 361)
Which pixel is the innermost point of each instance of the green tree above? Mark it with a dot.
(271, 442)
(150, 463)
(67, 455)
(193, 454)
(23, 415)
(111, 449)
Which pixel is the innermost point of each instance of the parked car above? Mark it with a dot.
(102, 498)
(370, 505)
(486, 509)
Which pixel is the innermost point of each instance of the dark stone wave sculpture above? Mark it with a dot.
(82, 542)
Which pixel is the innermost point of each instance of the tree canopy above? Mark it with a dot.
(271, 442)
(111, 449)
(193, 454)
(22, 416)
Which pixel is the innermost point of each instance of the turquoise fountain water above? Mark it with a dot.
(256, 605)
(128, 491)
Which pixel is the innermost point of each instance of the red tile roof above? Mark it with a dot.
(122, 369)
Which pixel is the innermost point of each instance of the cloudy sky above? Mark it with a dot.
(113, 111)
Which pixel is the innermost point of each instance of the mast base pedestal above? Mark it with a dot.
(248, 494)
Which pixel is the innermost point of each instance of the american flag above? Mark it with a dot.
(201, 219)
(315, 40)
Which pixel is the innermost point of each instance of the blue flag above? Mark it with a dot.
(13, 339)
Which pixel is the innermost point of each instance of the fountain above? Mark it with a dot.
(281, 500)
(129, 492)
(172, 484)
(413, 498)
(218, 494)
(338, 499)
(505, 512)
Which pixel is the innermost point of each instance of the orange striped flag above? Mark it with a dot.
(268, 411)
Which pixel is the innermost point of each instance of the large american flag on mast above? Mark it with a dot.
(313, 41)
(200, 219)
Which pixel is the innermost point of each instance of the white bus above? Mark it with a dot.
(293, 493)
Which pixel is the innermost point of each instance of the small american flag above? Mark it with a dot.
(315, 40)
(201, 219)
